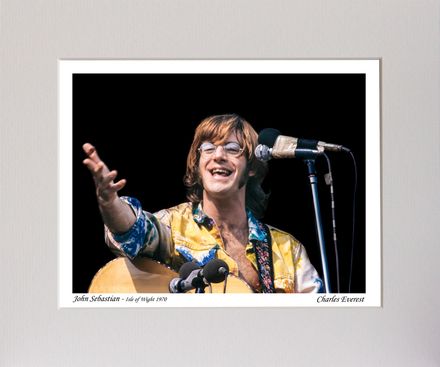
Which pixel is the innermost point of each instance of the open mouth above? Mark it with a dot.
(220, 172)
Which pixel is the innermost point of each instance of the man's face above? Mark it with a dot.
(223, 174)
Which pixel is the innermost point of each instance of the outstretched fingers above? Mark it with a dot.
(106, 188)
(91, 152)
(95, 165)
(108, 179)
(118, 185)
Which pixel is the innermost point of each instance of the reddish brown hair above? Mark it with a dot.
(217, 129)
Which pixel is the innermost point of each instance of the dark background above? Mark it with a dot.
(143, 124)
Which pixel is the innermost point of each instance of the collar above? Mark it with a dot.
(256, 228)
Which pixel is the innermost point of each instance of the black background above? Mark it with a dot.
(143, 124)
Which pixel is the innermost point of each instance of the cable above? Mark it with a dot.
(329, 181)
(354, 221)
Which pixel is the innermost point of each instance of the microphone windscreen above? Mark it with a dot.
(268, 137)
(187, 268)
(212, 272)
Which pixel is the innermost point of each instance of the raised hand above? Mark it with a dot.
(106, 188)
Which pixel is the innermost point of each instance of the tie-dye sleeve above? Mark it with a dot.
(306, 276)
(142, 238)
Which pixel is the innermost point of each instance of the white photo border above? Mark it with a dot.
(370, 67)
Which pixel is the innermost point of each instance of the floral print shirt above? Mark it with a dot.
(185, 233)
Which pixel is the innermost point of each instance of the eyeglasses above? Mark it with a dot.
(232, 149)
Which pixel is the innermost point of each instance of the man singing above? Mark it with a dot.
(223, 180)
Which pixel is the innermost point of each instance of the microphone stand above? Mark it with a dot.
(200, 285)
(309, 158)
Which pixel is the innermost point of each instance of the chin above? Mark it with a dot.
(216, 191)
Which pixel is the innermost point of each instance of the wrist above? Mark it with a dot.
(109, 204)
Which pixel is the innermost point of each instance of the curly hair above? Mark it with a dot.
(218, 128)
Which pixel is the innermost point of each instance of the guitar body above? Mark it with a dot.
(145, 275)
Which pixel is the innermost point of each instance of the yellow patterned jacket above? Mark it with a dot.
(185, 233)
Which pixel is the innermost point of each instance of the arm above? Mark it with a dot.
(116, 214)
(150, 235)
(129, 230)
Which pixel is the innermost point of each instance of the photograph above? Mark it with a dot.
(280, 208)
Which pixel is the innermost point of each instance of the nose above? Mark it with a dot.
(219, 152)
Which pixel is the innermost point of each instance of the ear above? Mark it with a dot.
(251, 173)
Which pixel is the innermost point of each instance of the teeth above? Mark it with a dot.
(220, 172)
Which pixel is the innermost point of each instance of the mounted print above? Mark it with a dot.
(219, 183)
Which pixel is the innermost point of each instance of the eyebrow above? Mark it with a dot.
(226, 142)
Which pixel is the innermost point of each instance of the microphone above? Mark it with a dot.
(215, 271)
(274, 145)
(191, 276)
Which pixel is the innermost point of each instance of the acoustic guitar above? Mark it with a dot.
(144, 275)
